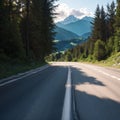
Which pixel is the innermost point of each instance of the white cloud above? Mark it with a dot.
(64, 11)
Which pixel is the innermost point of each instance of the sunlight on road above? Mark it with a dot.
(98, 91)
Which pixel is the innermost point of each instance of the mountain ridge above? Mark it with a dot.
(62, 34)
(69, 19)
(79, 27)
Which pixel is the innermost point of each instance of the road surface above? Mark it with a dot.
(96, 92)
(62, 91)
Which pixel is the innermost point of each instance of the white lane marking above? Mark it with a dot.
(28, 74)
(112, 76)
(66, 114)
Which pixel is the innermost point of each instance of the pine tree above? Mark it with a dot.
(11, 42)
(99, 50)
(117, 28)
(102, 25)
(99, 25)
(110, 19)
(96, 25)
(117, 18)
(41, 29)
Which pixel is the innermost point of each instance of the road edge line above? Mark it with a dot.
(23, 75)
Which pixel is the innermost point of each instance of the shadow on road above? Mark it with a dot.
(92, 106)
(82, 78)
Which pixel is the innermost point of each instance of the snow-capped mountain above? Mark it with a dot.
(75, 25)
(87, 18)
(69, 19)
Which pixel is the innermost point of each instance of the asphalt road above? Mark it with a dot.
(96, 92)
(44, 95)
(37, 97)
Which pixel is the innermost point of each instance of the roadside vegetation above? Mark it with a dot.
(103, 46)
(26, 34)
(14, 67)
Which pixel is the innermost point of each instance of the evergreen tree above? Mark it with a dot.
(110, 19)
(99, 25)
(68, 56)
(117, 28)
(117, 41)
(96, 25)
(103, 26)
(3, 25)
(117, 17)
(41, 13)
(96, 29)
(99, 50)
(11, 42)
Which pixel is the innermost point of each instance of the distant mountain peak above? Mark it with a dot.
(69, 19)
(87, 18)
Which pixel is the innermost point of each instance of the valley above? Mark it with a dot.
(71, 32)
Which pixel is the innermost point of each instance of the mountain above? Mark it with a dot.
(79, 27)
(62, 34)
(67, 44)
(90, 19)
(86, 35)
(71, 32)
(69, 19)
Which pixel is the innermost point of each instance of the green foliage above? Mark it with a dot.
(96, 25)
(104, 40)
(117, 28)
(68, 56)
(99, 50)
(110, 46)
(117, 17)
(99, 25)
(26, 28)
(103, 25)
(11, 42)
(40, 28)
(110, 19)
(117, 41)
(11, 67)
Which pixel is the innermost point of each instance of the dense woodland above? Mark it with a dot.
(27, 32)
(104, 40)
(26, 29)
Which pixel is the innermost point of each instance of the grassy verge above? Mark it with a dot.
(113, 61)
(11, 68)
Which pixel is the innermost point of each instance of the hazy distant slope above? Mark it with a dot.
(78, 27)
(62, 34)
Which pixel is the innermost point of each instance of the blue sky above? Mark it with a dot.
(79, 8)
(90, 4)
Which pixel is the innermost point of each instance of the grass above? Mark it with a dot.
(113, 61)
(12, 68)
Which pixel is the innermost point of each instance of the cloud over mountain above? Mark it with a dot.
(64, 11)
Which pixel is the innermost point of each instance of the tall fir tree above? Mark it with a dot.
(96, 25)
(103, 26)
(117, 28)
(11, 42)
(110, 19)
(41, 29)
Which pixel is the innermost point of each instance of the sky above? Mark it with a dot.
(78, 8)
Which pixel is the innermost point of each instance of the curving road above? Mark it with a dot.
(96, 92)
(39, 96)
(47, 94)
